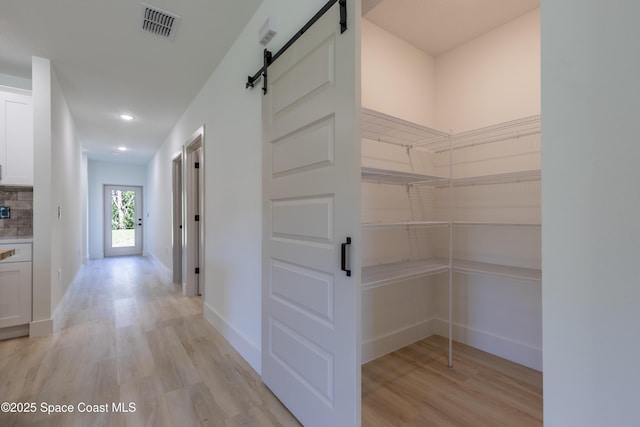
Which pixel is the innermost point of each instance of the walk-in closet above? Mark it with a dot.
(451, 276)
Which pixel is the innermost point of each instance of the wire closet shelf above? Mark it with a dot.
(380, 127)
(392, 130)
(513, 129)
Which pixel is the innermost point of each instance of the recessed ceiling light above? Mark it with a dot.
(126, 117)
(122, 148)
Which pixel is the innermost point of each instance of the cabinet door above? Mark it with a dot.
(15, 294)
(16, 139)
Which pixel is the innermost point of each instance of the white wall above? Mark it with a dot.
(15, 81)
(231, 115)
(390, 62)
(491, 79)
(590, 205)
(57, 248)
(42, 198)
(159, 201)
(66, 188)
(105, 173)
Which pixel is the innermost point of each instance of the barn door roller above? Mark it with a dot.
(269, 58)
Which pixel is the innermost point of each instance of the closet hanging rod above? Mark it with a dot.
(269, 58)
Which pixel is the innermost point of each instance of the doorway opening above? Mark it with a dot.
(122, 220)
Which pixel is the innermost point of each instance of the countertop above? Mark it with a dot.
(10, 240)
(6, 253)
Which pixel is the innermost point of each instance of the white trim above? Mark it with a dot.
(41, 328)
(193, 284)
(177, 220)
(16, 90)
(500, 346)
(248, 350)
(517, 352)
(14, 332)
(165, 272)
(379, 346)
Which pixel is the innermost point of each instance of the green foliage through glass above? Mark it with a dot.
(122, 210)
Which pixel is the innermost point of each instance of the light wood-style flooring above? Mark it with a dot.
(414, 387)
(125, 335)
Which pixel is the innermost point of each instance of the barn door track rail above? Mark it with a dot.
(269, 58)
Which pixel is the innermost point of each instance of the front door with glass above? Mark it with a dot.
(123, 220)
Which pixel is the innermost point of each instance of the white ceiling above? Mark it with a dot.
(436, 26)
(106, 65)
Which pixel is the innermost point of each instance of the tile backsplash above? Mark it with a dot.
(20, 200)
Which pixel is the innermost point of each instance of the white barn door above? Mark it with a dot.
(311, 178)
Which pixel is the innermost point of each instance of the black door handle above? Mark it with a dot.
(343, 257)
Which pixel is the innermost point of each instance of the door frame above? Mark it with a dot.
(193, 196)
(177, 216)
(125, 251)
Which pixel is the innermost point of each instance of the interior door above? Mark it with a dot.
(311, 179)
(122, 220)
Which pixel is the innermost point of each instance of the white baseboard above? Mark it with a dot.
(41, 328)
(14, 332)
(249, 351)
(165, 273)
(395, 340)
(514, 351)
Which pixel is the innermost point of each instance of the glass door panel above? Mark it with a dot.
(123, 220)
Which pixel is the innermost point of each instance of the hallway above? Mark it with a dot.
(123, 335)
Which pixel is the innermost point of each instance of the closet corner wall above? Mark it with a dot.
(451, 217)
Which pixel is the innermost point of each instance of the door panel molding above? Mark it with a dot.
(311, 203)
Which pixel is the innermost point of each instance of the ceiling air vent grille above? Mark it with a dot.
(159, 22)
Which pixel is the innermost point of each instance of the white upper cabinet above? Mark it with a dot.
(16, 137)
